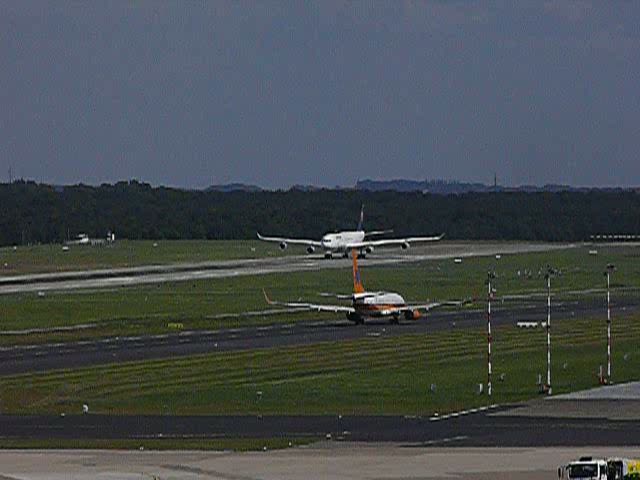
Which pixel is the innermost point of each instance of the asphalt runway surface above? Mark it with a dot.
(37, 358)
(475, 429)
(153, 274)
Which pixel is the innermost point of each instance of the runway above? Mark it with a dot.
(494, 442)
(37, 358)
(480, 429)
(153, 274)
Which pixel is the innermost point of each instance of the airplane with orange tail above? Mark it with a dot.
(368, 304)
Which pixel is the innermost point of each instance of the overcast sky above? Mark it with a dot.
(192, 93)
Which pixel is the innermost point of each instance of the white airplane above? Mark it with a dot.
(343, 242)
(368, 304)
(81, 239)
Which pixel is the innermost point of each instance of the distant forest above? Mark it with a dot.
(35, 213)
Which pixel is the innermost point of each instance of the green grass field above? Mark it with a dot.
(150, 309)
(372, 376)
(126, 253)
(235, 444)
(376, 375)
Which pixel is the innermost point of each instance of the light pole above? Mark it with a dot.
(610, 269)
(548, 276)
(490, 277)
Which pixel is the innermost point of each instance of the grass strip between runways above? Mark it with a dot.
(409, 374)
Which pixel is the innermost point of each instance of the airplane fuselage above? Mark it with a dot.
(339, 241)
(377, 304)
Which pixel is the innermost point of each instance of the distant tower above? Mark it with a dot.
(495, 182)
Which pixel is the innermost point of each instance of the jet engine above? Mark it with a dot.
(310, 249)
(283, 245)
(368, 249)
(412, 314)
(405, 245)
(354, 317)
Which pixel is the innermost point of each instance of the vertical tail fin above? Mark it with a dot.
(361, 221)
(357, 282)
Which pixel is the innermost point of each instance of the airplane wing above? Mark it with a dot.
(394, 241)
(377, 232)
(339, 296)
(425, 307)
(318, 307)
(292, 241)
(432, 305)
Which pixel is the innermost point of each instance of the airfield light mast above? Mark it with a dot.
(548, 276)
(490, 277)
(608, 272)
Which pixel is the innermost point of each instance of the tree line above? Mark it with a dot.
(36, 213)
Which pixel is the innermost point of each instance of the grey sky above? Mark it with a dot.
(276, 93)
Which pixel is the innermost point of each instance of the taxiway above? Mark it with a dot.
(36, 358)
(476, 428)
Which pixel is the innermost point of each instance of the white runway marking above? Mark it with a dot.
(462, 413)
(445, 440)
